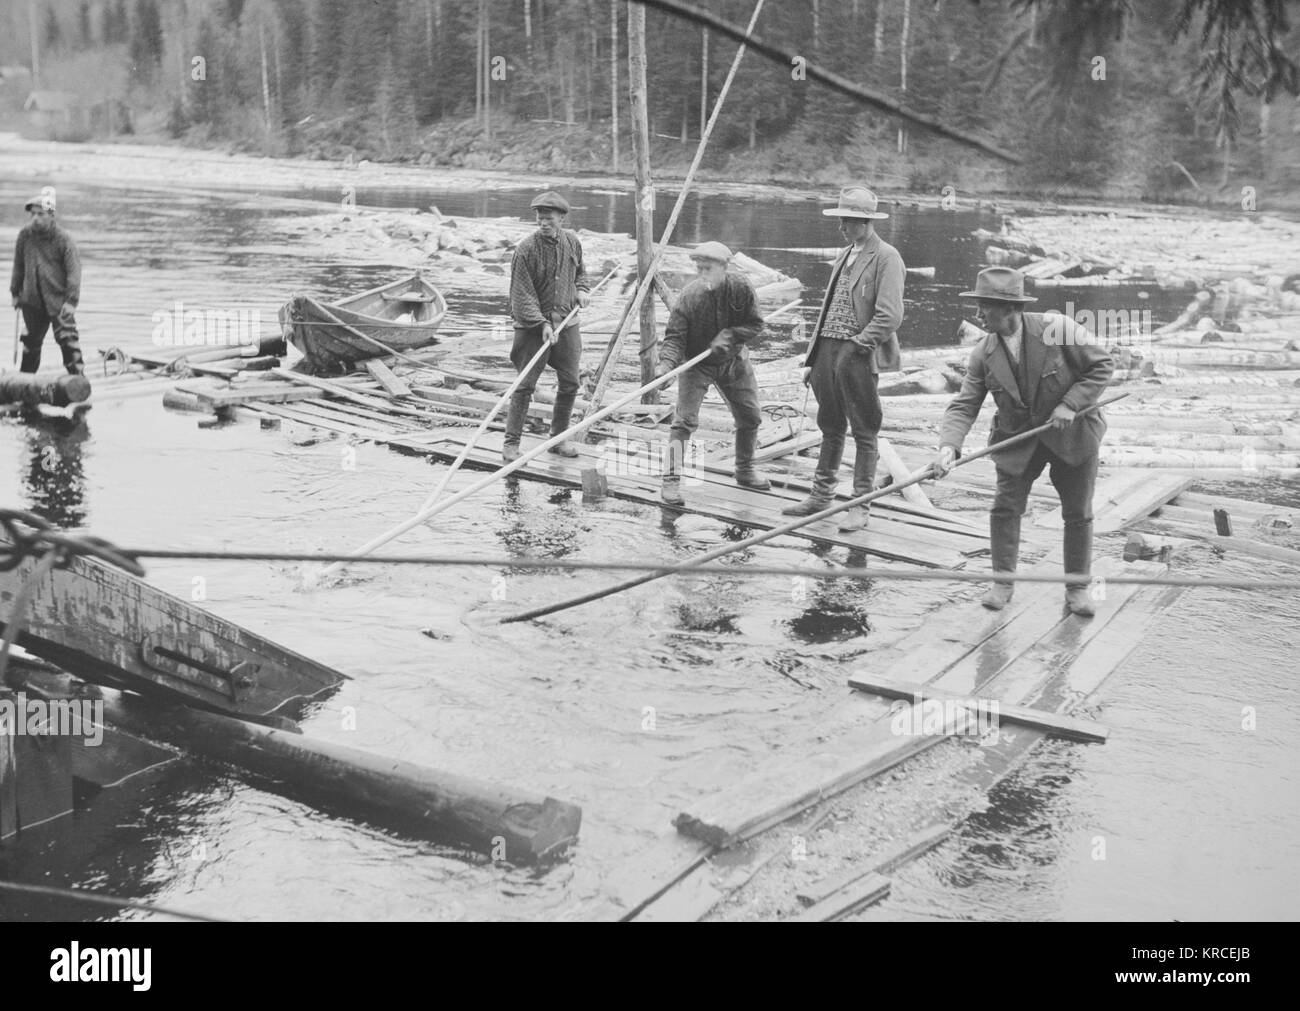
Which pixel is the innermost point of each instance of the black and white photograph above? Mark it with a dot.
(591, 461)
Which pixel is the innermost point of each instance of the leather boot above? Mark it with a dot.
(1004, 543)
(746, 476)
(674, 454)
(864, 477)
(31, 358)
(824, 480)
(560, 416)
(1078, 559)
(519, 402)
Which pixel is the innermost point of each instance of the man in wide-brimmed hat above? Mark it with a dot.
(46, 284)
(547, 279)
(855, 340)
(1039, 368)
(719, 311)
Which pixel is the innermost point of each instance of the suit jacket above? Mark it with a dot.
(1066, 364)
(877, 292)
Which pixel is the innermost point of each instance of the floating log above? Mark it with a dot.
(506, 824)
(1222, 358)
(1247, 462)
(1150, 547)
(29, 390)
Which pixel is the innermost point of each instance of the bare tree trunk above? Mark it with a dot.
(704, 79)
(644, 188)
(902, 69)
(428, 34)
(36, 56)
(487, 71)
(266, 86)
(878, 41)
(613, 78)
(478, 67)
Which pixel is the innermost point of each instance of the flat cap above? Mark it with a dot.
(552, 200)
(711, 251)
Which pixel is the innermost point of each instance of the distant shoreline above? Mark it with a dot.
(142, 165)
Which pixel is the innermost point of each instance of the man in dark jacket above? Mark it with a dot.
(855, 340)
(1039, 368)
(547, 279)
(46, 284)
(718, 311)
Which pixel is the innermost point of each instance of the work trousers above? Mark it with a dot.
(1074, 484)
(65, 333)
(848, 398)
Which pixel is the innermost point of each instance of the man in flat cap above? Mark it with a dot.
(547, 279)
(1039, 368)
(854, 341)
(46, 284)
(718, 311)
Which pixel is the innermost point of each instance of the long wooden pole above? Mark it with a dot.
(503, 400)
(510, 468)
(645, 194)
(786, 528)
(643, 289)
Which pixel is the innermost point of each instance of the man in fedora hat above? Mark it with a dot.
(547, 279)
(719, 311)
(1039, 368)
(854, 341)
(46, 284)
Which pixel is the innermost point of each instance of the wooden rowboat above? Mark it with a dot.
(400, 316)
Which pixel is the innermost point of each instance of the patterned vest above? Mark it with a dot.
(841, 321)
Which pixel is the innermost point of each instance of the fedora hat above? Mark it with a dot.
(552, 200)
(711, 251)
(999, 284)
(856, 202)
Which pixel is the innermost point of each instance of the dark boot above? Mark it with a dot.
(1078, 559)
(864, 477)
(746, 476)
(560, 416)
(674, 455)
(518, 413)
(824, 480)
(1004, 542)
(31, 356)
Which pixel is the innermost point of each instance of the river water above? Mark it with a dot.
(1200, 815)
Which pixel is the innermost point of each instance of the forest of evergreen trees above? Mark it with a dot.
(531, 84)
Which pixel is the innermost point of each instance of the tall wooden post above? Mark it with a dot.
(645, 194)
(613, 79)
(36, 59)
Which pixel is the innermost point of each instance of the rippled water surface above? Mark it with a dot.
(1199, 816)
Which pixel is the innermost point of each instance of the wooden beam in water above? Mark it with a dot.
(863, 892)
(507, 824)
(1088, 731)
(386, 378)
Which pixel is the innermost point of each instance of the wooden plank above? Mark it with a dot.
(345, 393)
(779, 789)
(773, 451)
(116, 629)
(1123, 497)
(887, 538)
(900, 853)
(385, 377)
(250, 393)
(1242, 544)
(1087, 731)
(862, 893)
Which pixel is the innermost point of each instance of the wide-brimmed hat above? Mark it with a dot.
(43, 200)
(711, 251)
(999, 284)
(552, 200)
(856, 202)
